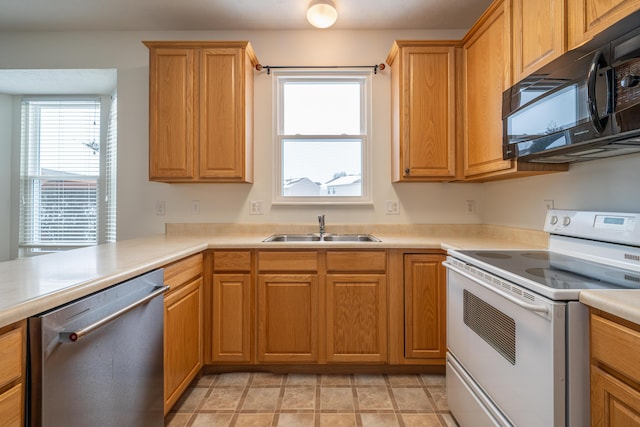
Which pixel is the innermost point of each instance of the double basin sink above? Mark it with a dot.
(316, 237)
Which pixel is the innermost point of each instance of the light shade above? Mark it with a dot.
(322, 13)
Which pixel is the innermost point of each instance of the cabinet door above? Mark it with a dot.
(356, 318)
(288, 318)
(425, 305)
(539, 34)
(426, 138)
(222, 113)
(183, 334)
(231, 318)
(172, 122)
(486, 56)
(589, 17)
(613, 402)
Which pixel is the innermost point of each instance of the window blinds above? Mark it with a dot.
(60, 171)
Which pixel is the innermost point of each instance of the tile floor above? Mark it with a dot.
(264, 399)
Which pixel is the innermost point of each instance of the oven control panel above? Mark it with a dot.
(605, 226)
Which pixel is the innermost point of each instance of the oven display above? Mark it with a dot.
(621, 223)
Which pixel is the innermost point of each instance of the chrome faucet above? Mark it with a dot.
(321, 222)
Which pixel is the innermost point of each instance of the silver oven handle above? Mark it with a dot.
(527, 306)
(79, 333)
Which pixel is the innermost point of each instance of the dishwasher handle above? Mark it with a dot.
(79, 333)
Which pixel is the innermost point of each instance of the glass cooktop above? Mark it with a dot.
(553, 270)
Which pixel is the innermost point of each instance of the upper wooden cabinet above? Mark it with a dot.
(589, 17)
(201, 111)
(423, 99)
(538, 34)
(487, 64)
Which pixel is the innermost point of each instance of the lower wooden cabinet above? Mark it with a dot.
(232, 314)
(424, 306)
(356, 318)
(288, 318)
(12, 374)
(615, 375)
(183, 327)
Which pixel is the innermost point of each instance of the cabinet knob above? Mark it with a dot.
(407, 171)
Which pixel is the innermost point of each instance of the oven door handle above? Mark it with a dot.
(527, 306)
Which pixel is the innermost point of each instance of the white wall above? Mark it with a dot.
(6, 118)
(608, 184)
(422, 203)
(603, 184)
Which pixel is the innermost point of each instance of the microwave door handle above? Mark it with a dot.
(531, 307)
(597, 62)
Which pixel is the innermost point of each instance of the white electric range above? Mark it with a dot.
(517, 337)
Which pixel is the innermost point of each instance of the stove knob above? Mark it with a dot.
(630, 81)
(566, 221)
(554, 220)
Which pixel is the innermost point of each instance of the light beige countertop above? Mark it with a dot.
(29, 286)
(622, 303)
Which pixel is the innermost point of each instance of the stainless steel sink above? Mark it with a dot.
(293, 238)
(323, 238)
(350, 238)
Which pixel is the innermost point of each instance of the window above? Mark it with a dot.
(322, 149)
(67, 173)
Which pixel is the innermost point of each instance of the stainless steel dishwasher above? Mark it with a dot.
(98, 361)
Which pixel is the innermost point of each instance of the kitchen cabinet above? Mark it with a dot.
(424, 307)
(288, 307)
(12, 373)
(538, 34)
(587, 18)
(183, 326)
(232, 311)
(356, 306)
(201, 111)
(615, 375)
(487, 63)
(423, 105)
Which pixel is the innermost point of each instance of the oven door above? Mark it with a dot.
(510, 345)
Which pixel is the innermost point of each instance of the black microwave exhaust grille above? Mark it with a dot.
(493, 326)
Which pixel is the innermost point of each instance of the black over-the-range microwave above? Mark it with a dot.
(582, 106)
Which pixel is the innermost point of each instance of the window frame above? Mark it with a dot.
(280, 78)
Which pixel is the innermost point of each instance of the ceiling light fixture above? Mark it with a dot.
(322, 13)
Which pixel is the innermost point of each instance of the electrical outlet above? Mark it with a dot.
(255, 207)
(470, 207)
(195, 206)
(161, 207)
(548, 204)
(392, 207)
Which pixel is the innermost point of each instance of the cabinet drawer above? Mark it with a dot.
(11, 356)
(11, 406)
(288, 261)
(356, 261)
(232, 261)
(607, 335)
(180, 272)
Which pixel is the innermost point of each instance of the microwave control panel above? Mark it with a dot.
(627, 84)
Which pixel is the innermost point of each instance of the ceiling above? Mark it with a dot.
(185, 15)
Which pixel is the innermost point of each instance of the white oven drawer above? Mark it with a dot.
(467, 402)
